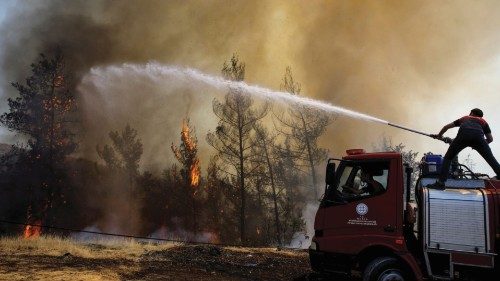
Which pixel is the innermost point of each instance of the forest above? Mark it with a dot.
(264, 168)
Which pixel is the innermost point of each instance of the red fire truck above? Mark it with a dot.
(372, 221)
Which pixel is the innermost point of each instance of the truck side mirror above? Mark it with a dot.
(330, 173)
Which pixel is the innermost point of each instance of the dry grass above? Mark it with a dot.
(283, 251)
(54, 258)
(61, 274)
(56, 246)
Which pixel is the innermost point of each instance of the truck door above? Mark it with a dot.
(363, 208)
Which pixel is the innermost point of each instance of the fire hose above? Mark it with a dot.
(443, 139)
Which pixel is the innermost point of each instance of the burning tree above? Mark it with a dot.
(186, 154)
(233, 136)
(42, 114)
(303, 126)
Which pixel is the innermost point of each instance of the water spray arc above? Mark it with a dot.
(155, 71)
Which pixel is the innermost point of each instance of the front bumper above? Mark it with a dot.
(330, 262)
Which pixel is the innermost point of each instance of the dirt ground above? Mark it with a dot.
(61, 259)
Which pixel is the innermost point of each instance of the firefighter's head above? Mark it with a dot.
(476, 112)
(366, 175)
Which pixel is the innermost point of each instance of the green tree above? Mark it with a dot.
(266, 156)
(303, 126)
(410, 157)
(125, 152)
(289, 179)
(232, 138)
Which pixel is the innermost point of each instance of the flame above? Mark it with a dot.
(214, 238)
(186, 136)
(58, 81)
(194, 173)
(186, 154)
(191, 147)
(32, 230)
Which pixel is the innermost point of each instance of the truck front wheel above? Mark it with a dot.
(384, 269)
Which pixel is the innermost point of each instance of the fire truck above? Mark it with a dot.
(374, 223)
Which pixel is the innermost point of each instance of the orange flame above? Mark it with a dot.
(32, 231)
(186, 136)
(194, 173)
(214, 238)
(58, 81)
(187, 155)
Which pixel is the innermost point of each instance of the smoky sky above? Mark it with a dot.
(409, 62)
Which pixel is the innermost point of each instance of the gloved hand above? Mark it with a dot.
(447, 140)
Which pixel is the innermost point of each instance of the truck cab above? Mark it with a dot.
(372, 221)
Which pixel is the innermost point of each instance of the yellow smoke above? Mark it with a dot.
(410, 62)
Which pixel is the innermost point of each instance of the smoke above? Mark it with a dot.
(388, 59)
(302, 240)
(180, 234)
(401, 61)
(407, 62)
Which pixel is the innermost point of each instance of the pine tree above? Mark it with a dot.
(264, 144)
(303, 126)
(233, 136)
(124, 154)
(42, 115)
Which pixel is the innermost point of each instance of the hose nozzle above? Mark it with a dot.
(443, 139)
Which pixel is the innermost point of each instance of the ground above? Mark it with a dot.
(52, 258)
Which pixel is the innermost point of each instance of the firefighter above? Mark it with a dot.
(474, 132)
(368, 185)
(371, 185)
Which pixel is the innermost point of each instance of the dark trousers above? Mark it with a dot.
(468, 138)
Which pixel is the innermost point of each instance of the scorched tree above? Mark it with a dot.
(41, 114)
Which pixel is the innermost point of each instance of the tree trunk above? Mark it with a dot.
(310, 157)
(242, 179)
(275, 196)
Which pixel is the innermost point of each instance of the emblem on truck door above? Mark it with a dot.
(362, 209)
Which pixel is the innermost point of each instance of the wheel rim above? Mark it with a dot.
(391, 275)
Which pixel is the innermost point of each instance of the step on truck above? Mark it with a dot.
(375, 220)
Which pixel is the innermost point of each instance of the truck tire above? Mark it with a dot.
(384, 269)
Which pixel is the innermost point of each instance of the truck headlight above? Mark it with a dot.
(314, 246)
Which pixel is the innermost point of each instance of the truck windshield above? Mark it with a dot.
(357, 180)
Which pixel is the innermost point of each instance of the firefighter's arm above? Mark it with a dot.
(446, 128)
(489, 137)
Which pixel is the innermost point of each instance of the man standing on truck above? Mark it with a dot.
(474, 132)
